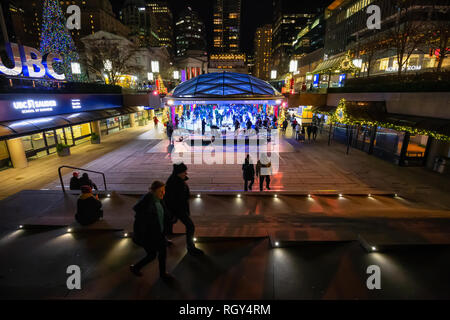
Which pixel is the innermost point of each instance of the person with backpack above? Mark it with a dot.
(149, 229)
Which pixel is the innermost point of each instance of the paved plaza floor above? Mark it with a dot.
(323, 253)
(133, 158)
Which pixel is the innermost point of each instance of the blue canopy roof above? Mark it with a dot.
(224, 85)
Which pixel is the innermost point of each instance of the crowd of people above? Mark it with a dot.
(240, 118)
(307, 131)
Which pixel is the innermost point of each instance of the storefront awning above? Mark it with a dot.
(327, 65)
(441, 126)
(323, 109)
(376, 111)
(342, 64)
(9, 129)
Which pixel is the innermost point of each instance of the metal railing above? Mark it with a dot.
(81, 169)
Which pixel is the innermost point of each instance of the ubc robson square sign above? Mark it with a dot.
(30, 62)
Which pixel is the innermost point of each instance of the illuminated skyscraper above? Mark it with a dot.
(263, 49)
(189, 33)
(138, 18)
(162, 23)
(290, 17)
(227, 26)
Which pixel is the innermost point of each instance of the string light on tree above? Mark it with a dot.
(56, 38)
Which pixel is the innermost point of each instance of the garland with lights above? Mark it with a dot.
(340, 115)
(56, 38)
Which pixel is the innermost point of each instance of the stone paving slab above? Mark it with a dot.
(288, 218)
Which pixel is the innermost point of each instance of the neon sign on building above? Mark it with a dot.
(30, 62)
(34, 106)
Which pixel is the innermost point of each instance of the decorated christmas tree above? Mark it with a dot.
(55, 38)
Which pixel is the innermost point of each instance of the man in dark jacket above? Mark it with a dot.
(85, 181)
(248, 173)
(177, 201)
(150, 220)
(89, 208)
(75, 182)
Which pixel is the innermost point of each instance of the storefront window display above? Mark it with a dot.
(126, 121)
(363, 135)
(81, 133)
(388, 144)
(35, 146)
(5, 161)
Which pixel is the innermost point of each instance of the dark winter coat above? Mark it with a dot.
(87, 182)
(177, 196)
(248, 171)
(147, 229)
(75, 183)
(88, 210)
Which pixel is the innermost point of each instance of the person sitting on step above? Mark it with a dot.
(89, 208)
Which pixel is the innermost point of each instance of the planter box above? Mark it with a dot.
(64, 152)
(95, 141)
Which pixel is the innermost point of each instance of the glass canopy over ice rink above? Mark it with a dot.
(225, 102)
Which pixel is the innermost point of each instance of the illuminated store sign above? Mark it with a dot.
(409, 68)
(29, 106)
(34, 106)
(76, 104)
(316, 81)
(30, 62)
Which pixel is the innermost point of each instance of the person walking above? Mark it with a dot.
(265, 173)
(309, 131)
(155, 121)
(169, 131)
(285, 124)
(149, 229)
(248, 173)
(297, 131)
(249, 124)
(177, 201)
(237, 125)
(203, 126)
(314, 130)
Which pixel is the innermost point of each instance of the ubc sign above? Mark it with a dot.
(34, 106)
(30, 62)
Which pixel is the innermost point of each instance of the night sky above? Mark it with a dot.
(255, 13)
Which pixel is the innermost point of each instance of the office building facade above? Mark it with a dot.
(162, 23)
(289, 19)
(263, 49)
(189, 33)
(227, 26)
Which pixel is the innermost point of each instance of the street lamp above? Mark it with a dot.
(76, 68)
(155, 66)
(273, 74)
(107, 65)
(293, 66)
